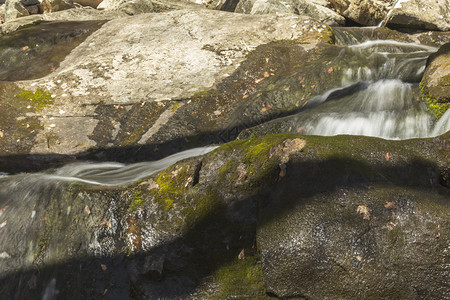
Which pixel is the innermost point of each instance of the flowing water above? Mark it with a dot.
(380, 99)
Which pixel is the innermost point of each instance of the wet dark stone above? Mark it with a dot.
(34, 52)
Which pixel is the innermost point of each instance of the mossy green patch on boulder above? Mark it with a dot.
(435, 84)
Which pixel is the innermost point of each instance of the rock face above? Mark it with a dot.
(364, 12)
(301, 7)
(14, 9)
(130, 7)
(326, 207)
(421, 14)
(48, 6)
(435, 84)
(91, 3)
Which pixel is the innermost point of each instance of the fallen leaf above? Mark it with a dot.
(245, 96)
(313, 86)
(3, 209)
(142, 104)
(241, 254)
(287, 88)
(387, 156)
(87, 209)
(104, 267)
(389, 205)
(1, 134)
(437, 235)
(358, 258)
(269, 107)
(189, 180)
(330, 70)
(266, 74)
(105, 291)
(217, 112)
(107, 223)
(364, 210)
(259, 80)
(3, 224)
(25, 48)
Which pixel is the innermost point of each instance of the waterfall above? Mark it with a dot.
(378, 99)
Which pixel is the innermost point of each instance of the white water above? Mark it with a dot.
(384, 109)
(114, 174)
(381, 105)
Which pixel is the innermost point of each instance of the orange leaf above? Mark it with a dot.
(389, 204)
(330, 70)
(25, 48)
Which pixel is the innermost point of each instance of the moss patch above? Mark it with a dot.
(136, 200)
(38, 99)
(240, 279)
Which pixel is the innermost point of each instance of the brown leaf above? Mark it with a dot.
(87, 209)
(3, 224)
(437, 235)
(1, 134)
(25, 48)
(364, 210)
(104, 267)
(389, 205)
(241, 254)
(387, 156)
(330, 70)
(107, 223)
(266, 74)
(259, 80)
(245, 96)
(3, 209)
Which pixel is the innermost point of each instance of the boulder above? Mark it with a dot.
(420, 14)
(435, 84)
(91, 3)
(364, 12)
(301, 7)
(130, 7)
(14, 9)
(2, 13)
(329, 217)
(48, 6)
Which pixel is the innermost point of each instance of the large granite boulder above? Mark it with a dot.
(301, 7)
(329, 216)
(435, 84)
(130, 7)
(14, 9)
(174, 56)
(49, 6)
(364, 12)
(421, 14)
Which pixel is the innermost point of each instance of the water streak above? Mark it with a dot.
(114, 174)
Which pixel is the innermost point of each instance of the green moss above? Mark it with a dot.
(438, 107)
(172, 185)
(241, 279)
(136, 200)
(176, 106)
(38, 99)
(202, 208)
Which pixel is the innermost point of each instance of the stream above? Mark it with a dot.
(379, 100)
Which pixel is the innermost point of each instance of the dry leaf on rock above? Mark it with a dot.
(364, 210)
(241, 254)
(390, 205)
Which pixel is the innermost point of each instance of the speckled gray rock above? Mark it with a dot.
(14, 9)
(48, 6)
(421, 14)
(300, 7)
(364, 12)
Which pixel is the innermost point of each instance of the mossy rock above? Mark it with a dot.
(435, 84)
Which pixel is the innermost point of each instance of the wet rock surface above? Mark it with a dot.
(435, 84)
(271, 214)
(189, 231)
